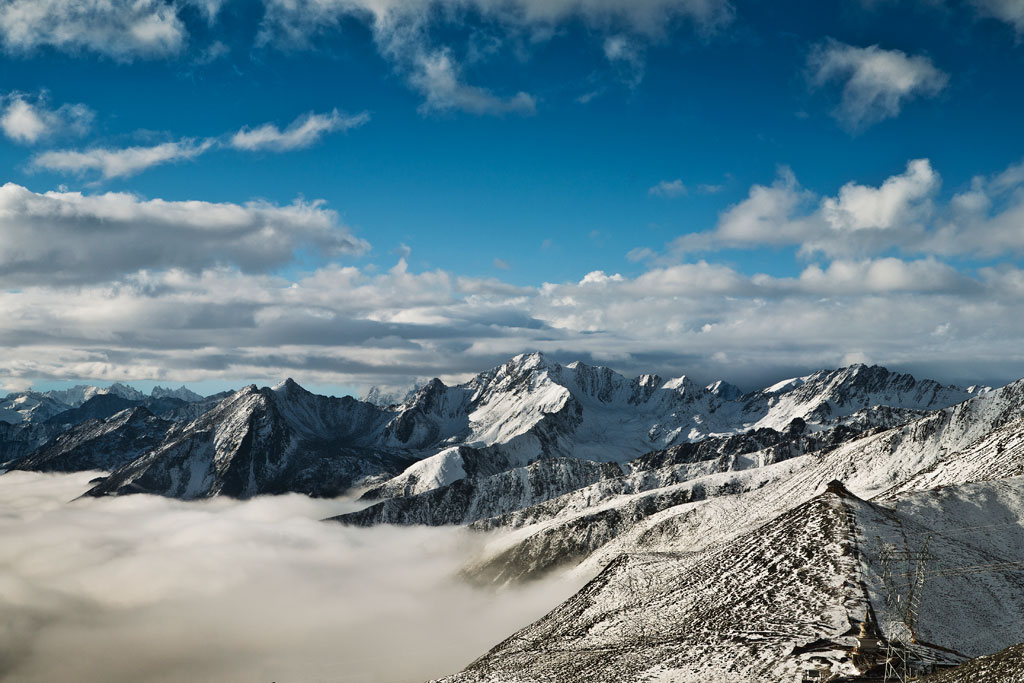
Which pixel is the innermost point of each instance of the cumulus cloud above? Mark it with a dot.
(405, 33)
(876, 82)
(861, 220)
(28, 120)
(121, 29)
(118, 163)
(75, 237)
(897, 202)
(125, 589)
(304, 131)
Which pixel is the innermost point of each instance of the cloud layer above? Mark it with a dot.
(70, 237)
(116, 287)
(144, 588)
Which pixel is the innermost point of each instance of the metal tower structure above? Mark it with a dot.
(903, 591)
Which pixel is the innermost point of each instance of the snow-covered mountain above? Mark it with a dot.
(531, 407)
(262, 441)
(28, 420)
(77, 395)
(767, 572)
(29, 406)
(182, 393)
(35, 406)
(962, 443)
(505, 419)
(99, 444)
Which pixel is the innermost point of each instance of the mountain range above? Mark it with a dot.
(730, 536)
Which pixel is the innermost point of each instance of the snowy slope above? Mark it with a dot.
(29, 406)
(789, 594)
(467, 500)
(1005, 666)
(870, 465)
(532, 407)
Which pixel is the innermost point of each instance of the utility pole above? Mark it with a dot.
(903, 604)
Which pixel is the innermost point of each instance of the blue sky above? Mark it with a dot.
(735, 189)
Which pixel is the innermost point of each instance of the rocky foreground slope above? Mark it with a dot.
(788, 596)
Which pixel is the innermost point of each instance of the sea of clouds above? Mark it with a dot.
(147, 588)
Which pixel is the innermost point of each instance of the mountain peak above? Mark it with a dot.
(288, 385)
(724, 390)
(531, 361)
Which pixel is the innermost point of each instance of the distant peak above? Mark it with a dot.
(724, 390)
(682, 382)
(288, 385)
(531, 361)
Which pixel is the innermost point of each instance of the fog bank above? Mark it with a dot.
(143, 588)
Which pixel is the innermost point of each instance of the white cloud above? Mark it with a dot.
(28, 120)
(122, 29)
(769, 215)
(72, 237)
(668, 188)
(404, 31)
(899, 200)
(437, 77)
(876, 82)
(346, 326)
(113, 287)
(862, 220)
(883, 276)
(116, 163)
(304, 131)
(118, 590)
(1009, 11)
(295, 20)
